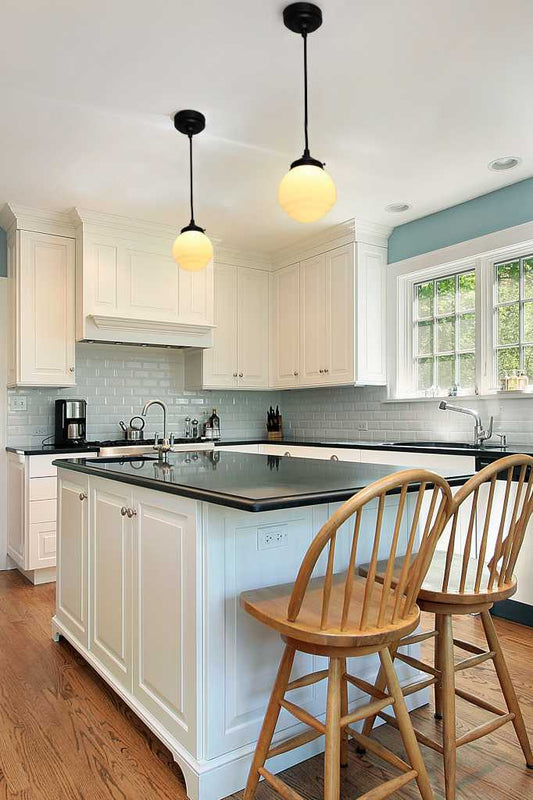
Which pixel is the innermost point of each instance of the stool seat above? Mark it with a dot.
(431, 591)
(270, 605)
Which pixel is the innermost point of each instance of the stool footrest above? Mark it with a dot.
(473, 661)
(422, 738)
(373, 746)
(483, 730)
(477, 701)
(368, 710)
(418, 686)
(417, 664)
(472, 648)
(417, 637)
(280, 786)
(389, 787)
(366, 687)
(303, 715)
(293, 743)
(307, 680)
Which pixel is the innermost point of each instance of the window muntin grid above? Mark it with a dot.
(513, 316)
(444, 333)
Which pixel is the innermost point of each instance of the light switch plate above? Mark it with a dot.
(18, 402)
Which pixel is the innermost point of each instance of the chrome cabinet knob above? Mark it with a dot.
(321, 371)
(334, 458)
(287, 454)
(326, 370)
(123, 511)
(234, 374)
(240, 375)
(131, 512)
(72, 369)
(295, 372)
(83, 496)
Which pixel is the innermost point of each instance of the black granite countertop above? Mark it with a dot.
(44, 450)
(244, 481)
(449, 448)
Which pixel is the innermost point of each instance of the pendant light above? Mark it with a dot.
(306, 192)
(192, 249)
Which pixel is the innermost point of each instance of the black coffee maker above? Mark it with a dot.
(71, 417)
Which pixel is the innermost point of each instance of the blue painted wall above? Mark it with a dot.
(3, 253)
(491, 212)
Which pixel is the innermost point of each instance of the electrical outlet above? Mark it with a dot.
(361, 425)
(18, 402)
(269, 538)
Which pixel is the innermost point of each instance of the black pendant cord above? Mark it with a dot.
(306, 114)
(192, 222)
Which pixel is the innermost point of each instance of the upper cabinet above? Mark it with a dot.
(41, 274)
(328, 316)
(239, 356)
(129, 289)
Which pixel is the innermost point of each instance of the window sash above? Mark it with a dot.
(521, 343)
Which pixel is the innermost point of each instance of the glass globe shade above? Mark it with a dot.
(192, 250)
(306, 193)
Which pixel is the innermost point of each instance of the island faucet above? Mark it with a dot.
(165, 444)
(480, 434)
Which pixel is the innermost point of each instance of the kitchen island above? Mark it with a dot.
(152, 557)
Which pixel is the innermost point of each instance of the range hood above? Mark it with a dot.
(129, 289)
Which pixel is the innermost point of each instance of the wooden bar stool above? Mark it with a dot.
(465, 583)
(343, 615)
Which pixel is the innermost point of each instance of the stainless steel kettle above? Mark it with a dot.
(133, 431)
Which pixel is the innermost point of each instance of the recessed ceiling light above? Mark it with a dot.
(397, 208)
(507, 162)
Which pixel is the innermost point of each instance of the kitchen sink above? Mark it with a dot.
(464, 445)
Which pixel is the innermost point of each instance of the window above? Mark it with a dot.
(444, 330)
(513, 312)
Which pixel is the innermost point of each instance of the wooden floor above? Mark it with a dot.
(65, 736)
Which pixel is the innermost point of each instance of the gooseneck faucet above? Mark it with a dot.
(480, 434)
(165, 445)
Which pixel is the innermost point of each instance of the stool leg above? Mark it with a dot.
(438, 660)
(448, 705)
(381, 684)
(332, 771)
(344, 710)
(507, 686)
(270, 720)
(404, 724)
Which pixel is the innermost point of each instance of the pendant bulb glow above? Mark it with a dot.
(307, 193)
(192, 250)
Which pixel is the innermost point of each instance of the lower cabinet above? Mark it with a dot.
(127, 593)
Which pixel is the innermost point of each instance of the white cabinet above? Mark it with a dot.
(32, 513)
(72, 559)
(239, 356)
(335, 333)
(285, 326)
(41, 272)
(110, 553)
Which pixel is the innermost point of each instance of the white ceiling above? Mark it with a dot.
(409, 102)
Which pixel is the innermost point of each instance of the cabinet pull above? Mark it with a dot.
(334, 458)
(72, 369)
(123, 511)
(131, 512)
(326, 370)
(83, 496)
(234, 374)
(295, 373)
(287, 454)
(240, 375)
(321, 371)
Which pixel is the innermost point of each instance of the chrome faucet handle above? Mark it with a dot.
(503, 439)
(172, 437)
(156, 441)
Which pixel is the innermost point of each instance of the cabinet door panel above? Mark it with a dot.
(110, 548)
(285, 326)
(149, 286)
(72, 557)
(15, 508)
(252, 324)
(340, 315)
(196, 295)
(46, 329)
(42, 545)
(164, 610)
(220, 361)
(313, 320)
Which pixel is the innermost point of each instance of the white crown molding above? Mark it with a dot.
(130, 324)
(353, 230)
(243, 258)
(19, 217)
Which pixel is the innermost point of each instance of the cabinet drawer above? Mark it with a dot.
(43, 511)
(42, 545)
(42, 488)
(41, 466)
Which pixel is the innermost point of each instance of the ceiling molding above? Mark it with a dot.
(243, 258)
(19, 217)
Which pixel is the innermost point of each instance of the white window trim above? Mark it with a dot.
(401, 278)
